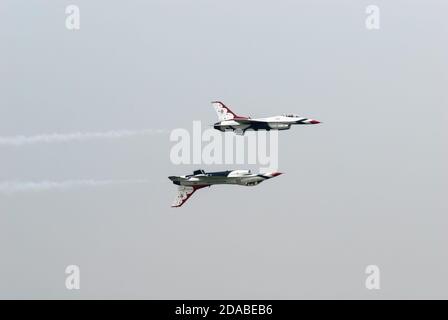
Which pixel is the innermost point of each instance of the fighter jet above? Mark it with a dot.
(200, 179)
(228, 120)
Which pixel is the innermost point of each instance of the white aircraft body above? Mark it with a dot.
(200, 179)
(228, 120)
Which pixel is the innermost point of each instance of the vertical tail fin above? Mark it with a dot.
(184, 193)
(224, 113)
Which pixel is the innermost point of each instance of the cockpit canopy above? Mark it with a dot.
(196, 172)
(290, 115)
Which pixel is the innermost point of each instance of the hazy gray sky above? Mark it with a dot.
(367, 186)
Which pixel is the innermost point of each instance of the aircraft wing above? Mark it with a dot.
(184, 193)
(248, 121)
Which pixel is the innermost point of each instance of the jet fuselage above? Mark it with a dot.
(229, 121)
(238, 177)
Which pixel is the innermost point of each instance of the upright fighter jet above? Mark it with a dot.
(228, 120)
(200, 179)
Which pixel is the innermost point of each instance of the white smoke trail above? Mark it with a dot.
(10, 188)
(17, 141)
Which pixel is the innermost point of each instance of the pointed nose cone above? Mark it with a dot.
(271, 175)
(314, 121)
(275, 174)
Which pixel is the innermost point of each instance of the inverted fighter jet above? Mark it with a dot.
(228, 120)
(200, 179)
